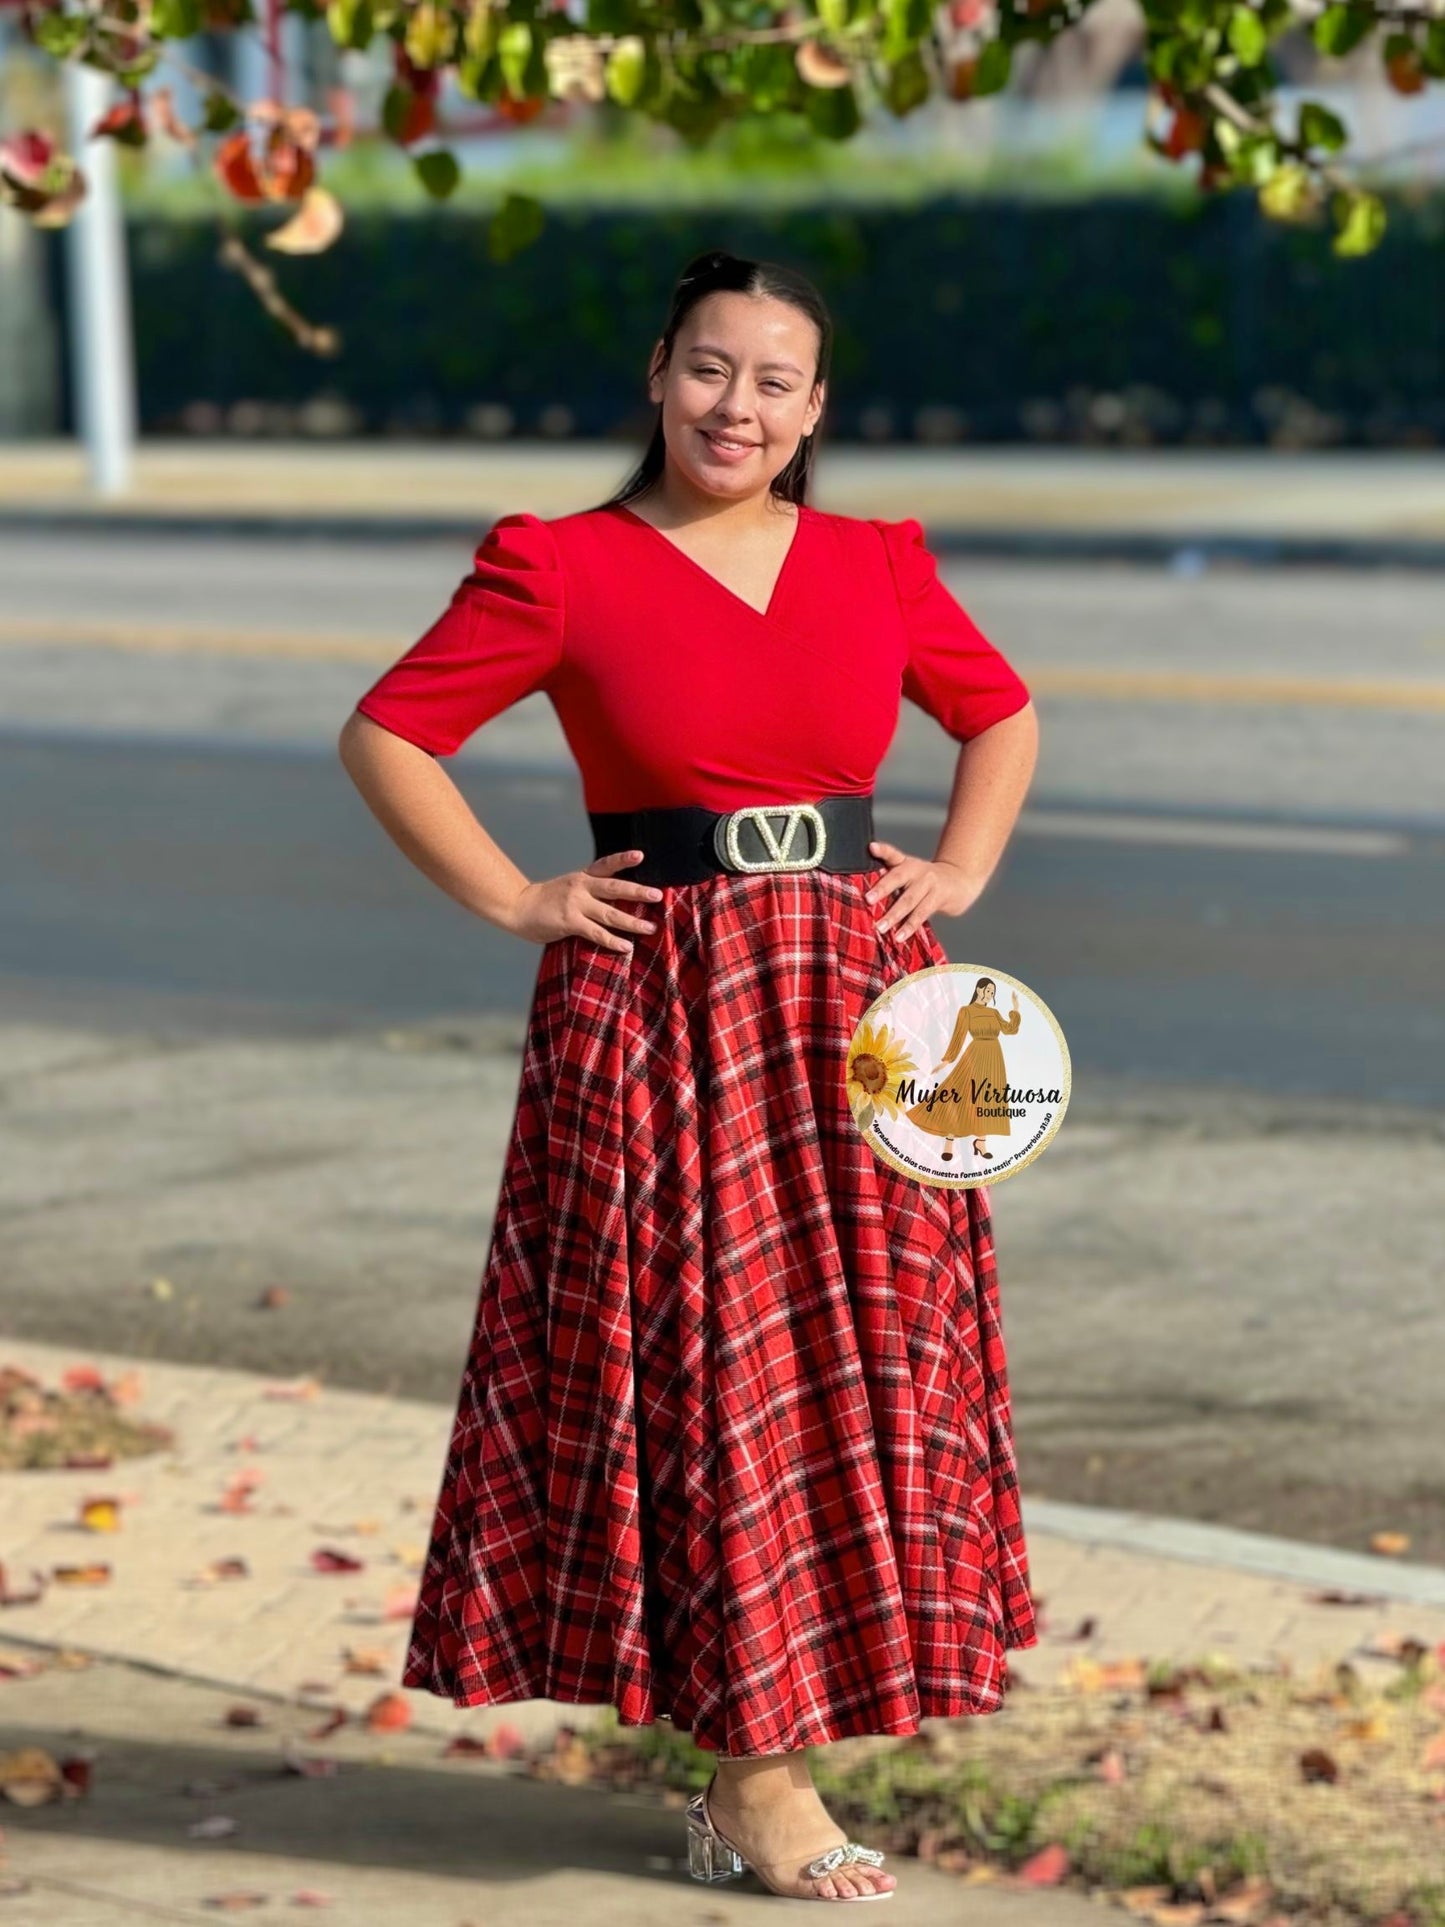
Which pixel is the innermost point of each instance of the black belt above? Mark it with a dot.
(689, 844)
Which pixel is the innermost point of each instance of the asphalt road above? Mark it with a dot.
(240, 886)
(244, 1042)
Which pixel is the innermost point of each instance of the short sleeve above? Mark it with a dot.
(497, 641)
(952, 670)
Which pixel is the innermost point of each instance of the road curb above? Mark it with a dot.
(1256, 1553)
(1183, 550)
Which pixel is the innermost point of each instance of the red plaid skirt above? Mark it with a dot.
(733, 1444)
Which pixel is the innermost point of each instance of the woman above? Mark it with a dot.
(971, 1110)
(733, 1440)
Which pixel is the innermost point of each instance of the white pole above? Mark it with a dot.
(102, 358)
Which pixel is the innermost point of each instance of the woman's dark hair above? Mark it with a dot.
(718, 272)
(983, 983)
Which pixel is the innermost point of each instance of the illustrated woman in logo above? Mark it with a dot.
(981, 1069)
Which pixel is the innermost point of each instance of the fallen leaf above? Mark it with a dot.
(232, 1568)
(30, 1777)
(82, 1378)
(1391, 1544)
(366, 1659)
(399, 1603)
(297, 1388)
(236, 1901)
(1046, 1868)
(96, 1575)
(215, 1826)
(1316, 1764)
(243, 1716)
(310, 1897)
(328, 1559)
(336, 1717)
(391, 1713)
(100, 1515)
(10, 1597)
(275, 1296)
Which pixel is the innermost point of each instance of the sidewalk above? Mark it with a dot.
(1352, 508)
(341, 1472)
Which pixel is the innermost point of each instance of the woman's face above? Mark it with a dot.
(738, 393)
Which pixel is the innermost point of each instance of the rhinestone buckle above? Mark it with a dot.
(726, 839)
(837, 1857)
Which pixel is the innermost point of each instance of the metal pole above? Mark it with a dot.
(102, 357)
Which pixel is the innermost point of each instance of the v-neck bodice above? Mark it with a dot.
(692, 562)
(671, 688)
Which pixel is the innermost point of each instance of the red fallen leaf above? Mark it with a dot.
(9, 1597)
(1047, 1867)
(391, 1713)
(336, 1717)
(1112, 1770)
(1333, 1596)
(88, 1461)
(243, 1716)
(236, 1901)
(96, 1575)
(400, 1603)
(328, 1559)
(272, 1298)
(467, 1744)
(1316, 1764)
(223, 1569)
(82, 1378)
(310, 1897)
(237, 1494)
(76, 1771)
(1085, 1629)
(504, 1742)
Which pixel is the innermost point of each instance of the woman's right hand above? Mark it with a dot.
(584, 903)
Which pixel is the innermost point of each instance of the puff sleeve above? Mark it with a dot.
(952, 670)
(498, 640)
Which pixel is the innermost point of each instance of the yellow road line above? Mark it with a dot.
(1120, 685)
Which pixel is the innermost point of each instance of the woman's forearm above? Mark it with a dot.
(989, 785)
(427, 817)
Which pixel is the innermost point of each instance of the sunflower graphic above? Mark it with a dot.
(876, 1063)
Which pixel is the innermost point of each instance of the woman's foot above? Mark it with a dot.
(980, 1148)
(772, 1813)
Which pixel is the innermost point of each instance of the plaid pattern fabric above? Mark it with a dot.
(733, 1445)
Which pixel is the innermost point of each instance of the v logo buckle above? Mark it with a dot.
(727, 845)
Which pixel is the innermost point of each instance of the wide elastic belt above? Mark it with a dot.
(689, 844)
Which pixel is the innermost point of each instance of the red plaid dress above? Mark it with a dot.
(733, 1443)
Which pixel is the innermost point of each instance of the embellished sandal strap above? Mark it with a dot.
(843, 1856)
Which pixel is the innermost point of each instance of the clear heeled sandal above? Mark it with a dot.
(712, 1856)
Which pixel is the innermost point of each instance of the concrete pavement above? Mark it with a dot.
(269, 1473)
(1349, 507)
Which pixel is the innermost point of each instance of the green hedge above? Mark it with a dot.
(987, 320)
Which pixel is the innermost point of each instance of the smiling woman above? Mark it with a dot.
(733, 1441)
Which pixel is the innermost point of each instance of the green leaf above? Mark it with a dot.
(59, 33)
(1318, 127)
(1433, 51)
(176, 19)
(351, 23)
(833, 112)
(1247, 36)
(515, 225)
(1360, 221)
(1340, 29)
(906, 85)
(834, 14)
(514, 51)
(220, 114)
(995, 62)
(438, 172)
(627, 71)
(396, 110)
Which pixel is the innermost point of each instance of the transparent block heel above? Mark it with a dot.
(709, 1857)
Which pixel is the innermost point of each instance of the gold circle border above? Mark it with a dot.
(987, 1178)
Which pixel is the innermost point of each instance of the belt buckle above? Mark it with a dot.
(728, 828)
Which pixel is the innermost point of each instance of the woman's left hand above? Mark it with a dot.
(924, 888)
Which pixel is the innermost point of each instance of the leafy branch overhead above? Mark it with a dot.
(694, 65)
